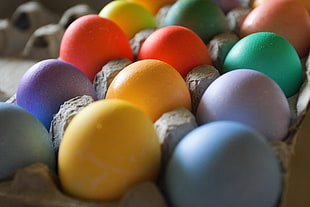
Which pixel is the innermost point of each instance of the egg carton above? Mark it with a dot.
(36, 185)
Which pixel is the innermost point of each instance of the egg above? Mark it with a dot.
(203, 17)
(287, 18)
(91, 41)
(249, 97)
(221, 164)
(48, 84)
(131, 17)
(178, 46)
(23, 141)
(270, 54)
(154, 6)
(153, 85)
(108, 147)
(227, 5)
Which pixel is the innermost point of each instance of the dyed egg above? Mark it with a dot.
(91, 41)
(227, 5)
(223, 164)
(270, 54)
(249, 97)
(178, 46)
(47, 85)
(284, 17)
(204, 17)
(107, 148)
(154, 86)
(153, 6)
(131, 17)
(23, 141)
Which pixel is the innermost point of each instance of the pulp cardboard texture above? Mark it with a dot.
(296, 191)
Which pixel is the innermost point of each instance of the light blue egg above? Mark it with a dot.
(223, 164)
(23, 141)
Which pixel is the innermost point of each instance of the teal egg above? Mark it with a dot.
(270, 54)
(204, 17)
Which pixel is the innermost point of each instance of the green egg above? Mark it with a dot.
(270, 54)
(203, 17)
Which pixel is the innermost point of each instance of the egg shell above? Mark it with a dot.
(48, 84)
(107, 148)
(203, 17)
(91, 41)
(131, 17)
(154, 6)
(178, 46)
(227, 5)
(249, 97)
(287, 18)
(223, 164)
(153, 85)
(23, 141)
(270, 54)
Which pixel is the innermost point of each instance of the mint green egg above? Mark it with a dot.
(270, 54)
(204, 17)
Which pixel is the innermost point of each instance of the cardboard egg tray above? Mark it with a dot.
(36, 185)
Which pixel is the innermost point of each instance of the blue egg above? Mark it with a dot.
(23, 141)
(48, 84)
(223, 163)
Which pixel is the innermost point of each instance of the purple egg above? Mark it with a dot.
(249, 97)
(227, 5)
(48, 84)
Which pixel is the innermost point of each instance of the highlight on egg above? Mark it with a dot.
(108, 147)
(223, 163)
(131, 17)
(178, 46)
(48, 84)
(249, 97)
(24, 141)
(270, 54)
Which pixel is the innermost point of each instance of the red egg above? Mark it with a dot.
(178, 46)
(287, 18)
(91, 41)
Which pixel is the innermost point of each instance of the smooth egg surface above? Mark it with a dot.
(131, 17)
(48, 84)
(270, 54)
(91, 41)
(287, 18)
(178, 46)
(203, 17)
(249, 97)
(223, 164)
(108, 147)
(23, 141)
(153, 85)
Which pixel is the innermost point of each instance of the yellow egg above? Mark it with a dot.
(131, 17)
(108, 147)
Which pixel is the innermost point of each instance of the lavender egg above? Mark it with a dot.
(48, 84)
(250, 97)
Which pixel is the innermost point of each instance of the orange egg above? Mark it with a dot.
(91, 41)
(154, 86)
(287, 18)
(152, 5)
(177, 46)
